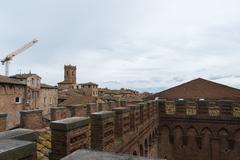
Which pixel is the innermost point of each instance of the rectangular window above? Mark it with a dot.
(170, 108)
(50, 100)
(191, 110)
(18, 100)
(236, 111)
(45, 100)
(214, 111)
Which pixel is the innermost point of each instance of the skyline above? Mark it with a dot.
(143, 45)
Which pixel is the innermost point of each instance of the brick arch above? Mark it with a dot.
(141, 150)
(206, 130)
(206, 134)
(178, 133)
(193, 130)
(192, 146)
(223, 132)
(236, 137)
(150, 139)
(164, 142)
(134, 153)
(165, 127)
(146, 147)
(180, 128)
(224, 144)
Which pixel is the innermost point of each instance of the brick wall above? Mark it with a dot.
(48, 97)
(122, 123)
(3, 121)
(8, 94)
(102, 131)
(91, 108)
(68, 135)
(58, 113)
(78, 110)
(31, 119)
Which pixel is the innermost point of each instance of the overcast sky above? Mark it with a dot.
(148, 45)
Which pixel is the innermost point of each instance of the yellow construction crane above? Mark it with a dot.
(9, 57)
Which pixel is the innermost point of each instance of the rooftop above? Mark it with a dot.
(47, 86)
(199, 88)
(23, 76)
(7, 80)
(89, 83)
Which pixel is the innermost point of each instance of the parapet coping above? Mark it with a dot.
(89, 104)
(19, 134)
(76, 105)
(30, 111)
(3, 115)
(121, 109)
(89, 154)
(57, 108)
(142, 105)
(69, 123)
(16, 149)
(132, 107)
(103, 114)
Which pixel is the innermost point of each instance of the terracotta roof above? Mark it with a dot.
(78, 99)
(47, 86)
(89, 83)
(7, 80)
(199, 88)
(65, 82)
(24, 76)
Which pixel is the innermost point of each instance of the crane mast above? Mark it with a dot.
(9, 57)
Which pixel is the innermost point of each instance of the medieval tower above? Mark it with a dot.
(70, 74)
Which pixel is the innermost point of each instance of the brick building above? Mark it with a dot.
(88, 89)
(199, 120)
(24, 92)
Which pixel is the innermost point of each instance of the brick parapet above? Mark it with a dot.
(103, 107)
(78, 110)
(122, 123)
(58, 113)
(91, 108)
(102, 131)
(69, 135)
(3, 121)
(31, 119)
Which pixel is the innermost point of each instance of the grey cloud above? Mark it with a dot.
(147, 43)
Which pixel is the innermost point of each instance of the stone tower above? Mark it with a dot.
(70, 74)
